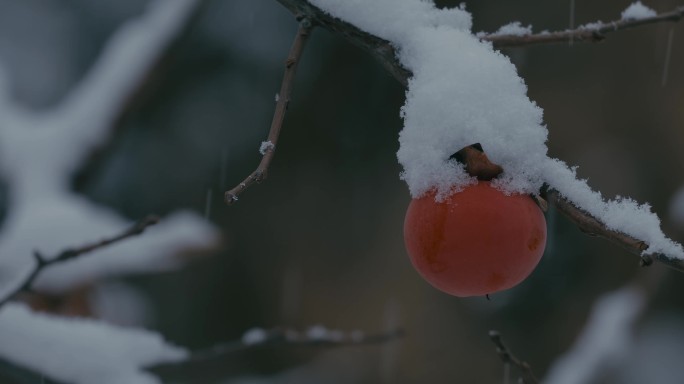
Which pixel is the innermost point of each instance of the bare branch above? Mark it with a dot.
(275, 338)
(72, 253)
(593, 227)
(282, 101)
(507, 357)
(582, 34)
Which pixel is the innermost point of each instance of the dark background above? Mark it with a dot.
(320, 242)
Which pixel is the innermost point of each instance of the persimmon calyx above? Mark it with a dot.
(476, 162)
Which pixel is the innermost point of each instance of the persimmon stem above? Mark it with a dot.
(476, 162)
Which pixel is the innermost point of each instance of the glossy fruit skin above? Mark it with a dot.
(477, 241)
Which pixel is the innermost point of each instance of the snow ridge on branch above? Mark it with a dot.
(591, 33)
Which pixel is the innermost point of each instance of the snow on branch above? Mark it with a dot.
(258, 338)
(592, 32)
(81, 351)
(385, 52)
(456, 80)
(605, 339)
(69, 254)
(66, 135)
(39, 152)
(186, 365)
(593, 227)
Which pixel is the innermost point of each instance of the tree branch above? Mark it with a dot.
(72, 253)
(385, 52)
(258, 339)
(382, 49)
(508, 358)
(282, 100)
(593, 227)
(592, 34)
(127, 96)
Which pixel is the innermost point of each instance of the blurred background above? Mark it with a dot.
(320, 242)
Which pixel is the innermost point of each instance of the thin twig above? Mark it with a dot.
(281, 337)
(593, 227)
(508, 358)
(582, 34)
(382, 49)
(283, 99)
(69, 254)
(275, 338)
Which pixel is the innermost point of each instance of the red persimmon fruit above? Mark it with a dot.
(475, 242)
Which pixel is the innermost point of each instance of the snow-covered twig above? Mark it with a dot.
(69, 254)
(253, 339)
(268, 147)
(593, 32)
(386, 53)
(256, 338)
(593, 227)
(41, 150)
(81, 351)
(39, 153)
(507, 357)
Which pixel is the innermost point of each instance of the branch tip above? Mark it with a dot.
(282, 103)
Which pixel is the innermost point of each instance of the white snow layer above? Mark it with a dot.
(464, 92)
(81, 351)
(514, 28)
(606, 338)
(39, 151)
(637, 11)
(254, 336)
